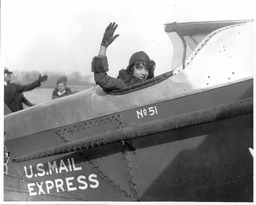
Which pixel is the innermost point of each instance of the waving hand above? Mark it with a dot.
(109, 36)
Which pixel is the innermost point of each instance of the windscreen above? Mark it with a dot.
(186, 36)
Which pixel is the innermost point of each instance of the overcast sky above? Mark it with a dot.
(64, 35)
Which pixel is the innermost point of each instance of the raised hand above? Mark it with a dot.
(109, 36)
(42, 78)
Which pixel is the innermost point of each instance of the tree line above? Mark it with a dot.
(75, 79)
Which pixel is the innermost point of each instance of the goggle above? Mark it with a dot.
(139, 64)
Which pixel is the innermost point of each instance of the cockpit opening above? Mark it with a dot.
(187, 40)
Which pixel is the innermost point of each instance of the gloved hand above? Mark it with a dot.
(42, 78)
(109, 36)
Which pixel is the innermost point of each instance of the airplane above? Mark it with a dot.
(185, 135)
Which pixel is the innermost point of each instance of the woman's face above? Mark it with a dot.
(140, 71)
(61, 86)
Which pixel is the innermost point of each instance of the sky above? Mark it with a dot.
(64, 35)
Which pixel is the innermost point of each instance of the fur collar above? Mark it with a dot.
(128, 78)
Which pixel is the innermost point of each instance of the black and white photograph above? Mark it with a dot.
(118, 101)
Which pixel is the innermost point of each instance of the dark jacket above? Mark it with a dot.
(23, 100)
(56, 95)
(26, 101)
(123, 80)
(12, 94)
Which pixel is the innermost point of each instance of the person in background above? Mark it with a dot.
(13, 91)
(139, 69)
(61, 89)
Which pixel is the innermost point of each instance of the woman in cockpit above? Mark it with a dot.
(140, 66)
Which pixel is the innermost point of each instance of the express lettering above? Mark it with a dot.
(61, 185)
(58, 184)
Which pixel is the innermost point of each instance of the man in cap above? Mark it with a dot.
(140, 66)
(12, 91)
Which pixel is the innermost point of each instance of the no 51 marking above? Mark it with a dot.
(146, 111)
